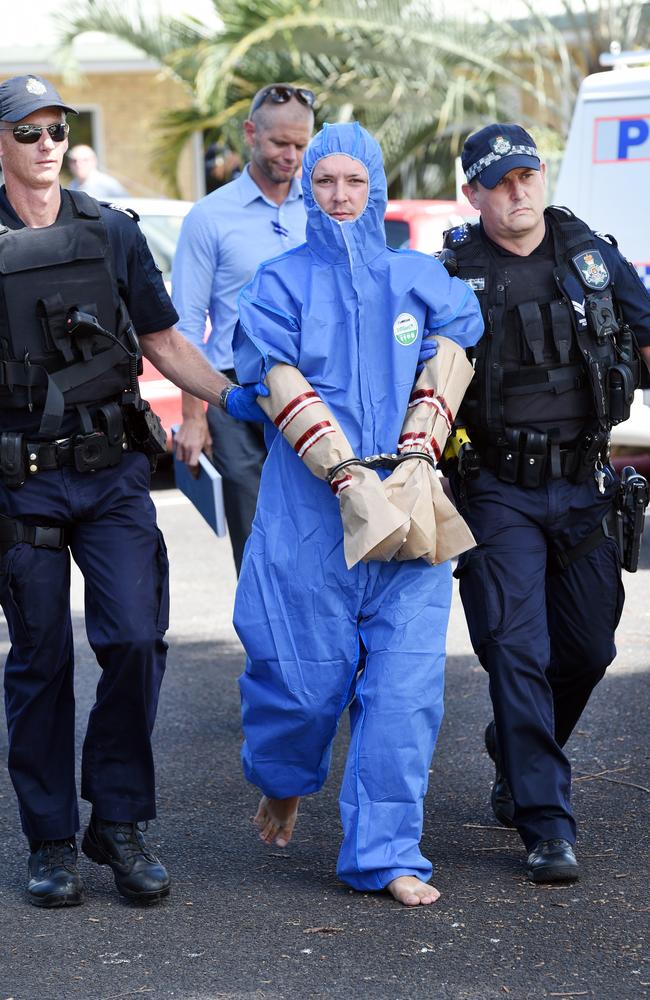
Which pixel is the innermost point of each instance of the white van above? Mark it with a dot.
(605, 180)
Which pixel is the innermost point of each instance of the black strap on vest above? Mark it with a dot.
(569, 231)
(556, 380)
(561, 329)
(532, 328)
(85, 206)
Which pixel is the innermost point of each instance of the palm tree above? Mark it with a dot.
(595, 25)
(418, 77)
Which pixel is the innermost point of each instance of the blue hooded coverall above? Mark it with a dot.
(329, 308)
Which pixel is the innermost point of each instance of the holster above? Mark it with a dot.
(144, 430)
(533, 460)
(13, 467)
(510, 457)
(630, 506)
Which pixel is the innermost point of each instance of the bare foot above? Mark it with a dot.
(411, 891)
(275, 819)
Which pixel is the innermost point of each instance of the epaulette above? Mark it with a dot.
(563, 209)
(607, 237)
(131, 212)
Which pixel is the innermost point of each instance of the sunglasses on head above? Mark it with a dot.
(32, 133)
(279, 94)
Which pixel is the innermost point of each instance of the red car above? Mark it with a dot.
(419, 224)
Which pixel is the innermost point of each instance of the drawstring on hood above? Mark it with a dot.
(362, 239)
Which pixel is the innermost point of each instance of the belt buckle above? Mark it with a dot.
(49, 537)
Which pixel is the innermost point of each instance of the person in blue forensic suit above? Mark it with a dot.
(352, 316)
(542, 591)
(77, 281)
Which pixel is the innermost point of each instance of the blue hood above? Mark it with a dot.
(361, 240)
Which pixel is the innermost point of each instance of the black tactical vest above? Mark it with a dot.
(556, 356)
(48, 362)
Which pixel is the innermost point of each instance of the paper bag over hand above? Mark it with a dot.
(369, 517)
(437, 530)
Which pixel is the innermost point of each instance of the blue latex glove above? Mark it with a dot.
(241, 402)
(428, 350)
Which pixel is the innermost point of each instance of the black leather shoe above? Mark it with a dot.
(138, 873)
(503, 805)
(553, 861)
(53, 876)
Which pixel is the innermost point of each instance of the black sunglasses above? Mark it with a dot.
(280, 94)
(32, 133)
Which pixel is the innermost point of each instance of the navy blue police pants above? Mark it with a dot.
(544, 637)
(113, 538)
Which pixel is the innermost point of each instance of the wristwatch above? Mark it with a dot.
(225, 392)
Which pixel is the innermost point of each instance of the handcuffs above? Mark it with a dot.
(381, 461)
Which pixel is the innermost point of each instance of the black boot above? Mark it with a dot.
(503, 805)
(138, 873)
(553, 861)
(53, 876)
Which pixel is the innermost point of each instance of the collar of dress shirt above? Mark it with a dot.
(250, 190)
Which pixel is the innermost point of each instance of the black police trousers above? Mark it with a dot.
(112, 535)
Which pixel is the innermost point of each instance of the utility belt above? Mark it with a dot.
(529, 458)
(115, 429)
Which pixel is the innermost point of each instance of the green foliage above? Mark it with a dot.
(417, 77)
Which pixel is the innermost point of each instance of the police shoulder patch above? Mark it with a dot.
(461, 234)
(132, 214)
(592, 269)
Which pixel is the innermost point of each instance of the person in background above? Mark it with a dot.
(222, 165)
(223, 239)
(86, 176)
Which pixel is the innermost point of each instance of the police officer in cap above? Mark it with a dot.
(80, 301)
(557, 366)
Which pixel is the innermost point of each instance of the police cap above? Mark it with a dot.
(496, 149)
(21, 95)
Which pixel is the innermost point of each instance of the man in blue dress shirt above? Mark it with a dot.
(223, 240)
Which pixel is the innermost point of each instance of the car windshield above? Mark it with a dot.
(161, 233)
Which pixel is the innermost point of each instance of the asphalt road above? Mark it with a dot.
(247, 923)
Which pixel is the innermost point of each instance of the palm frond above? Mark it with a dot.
(414, 71)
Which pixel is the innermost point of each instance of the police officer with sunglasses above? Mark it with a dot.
(80, 302)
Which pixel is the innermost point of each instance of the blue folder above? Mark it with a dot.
(205, 492)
